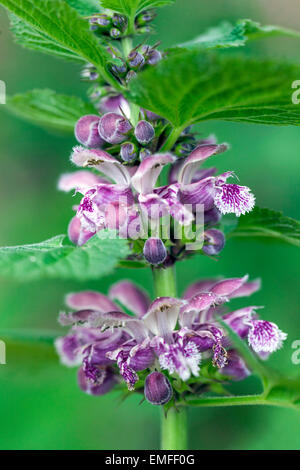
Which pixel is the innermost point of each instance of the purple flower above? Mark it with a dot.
(176, 335)
(264, 336)
(209, 190)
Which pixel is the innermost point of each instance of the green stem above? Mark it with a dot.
(173, 424)
(239, 400)
(171, 139)
(174, 429)
(164, 282)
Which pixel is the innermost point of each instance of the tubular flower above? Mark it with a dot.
(125, 195)
(211, 191)
(172, 336)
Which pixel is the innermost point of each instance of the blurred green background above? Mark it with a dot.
(40, 404)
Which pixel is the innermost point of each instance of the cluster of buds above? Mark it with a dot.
(137, 59)
(113, 25)
(143, 20)
(163, 341)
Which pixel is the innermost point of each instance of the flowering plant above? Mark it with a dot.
(146, 202)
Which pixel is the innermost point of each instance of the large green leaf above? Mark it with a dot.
(194, 86)
(56, 259)
(60, 24)
(228, 35)
(25, 335)
(269, 224)
(133, 7)
(49, 109)
(85, 7)
(31, 38)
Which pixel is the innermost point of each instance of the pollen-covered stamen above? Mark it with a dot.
(184, 359)
(265, 336)
(220, 357)
(128, 374)
(233, 198)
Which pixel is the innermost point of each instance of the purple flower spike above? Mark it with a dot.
(215, 242)
(158, 390)
(128, 152)
(155, 251)
(265, 337)
(86, 131)
(113, 128)
(144, 132)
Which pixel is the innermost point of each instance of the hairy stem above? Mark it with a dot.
(171, 139)
(174, 429)
(239, 400)
(164, 282)
(173, 424)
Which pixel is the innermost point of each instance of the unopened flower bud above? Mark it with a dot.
(145, 30)
(119, 70)
(145, 17)
(89, 72)
(144, 153)
(115, 33)
(113, 128)
(131, 74)
(212, 217)
(119, 21)
(101, 22)
(215, 241)
(128, 152)
(86, 131)
(155, 251)
(144, 132)
(135, 60)
(158, 390)
(152, 55)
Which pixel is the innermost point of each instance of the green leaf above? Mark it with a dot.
(32, 336)
(29, 37)
(285, 391)
(53, 258)
(133, 7)
(48, 109)
(85, 7)
(62, 24)
(268, 223)
(195, 86)
(228, 35)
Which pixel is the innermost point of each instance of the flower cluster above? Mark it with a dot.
(125, 194)
(168, 339)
